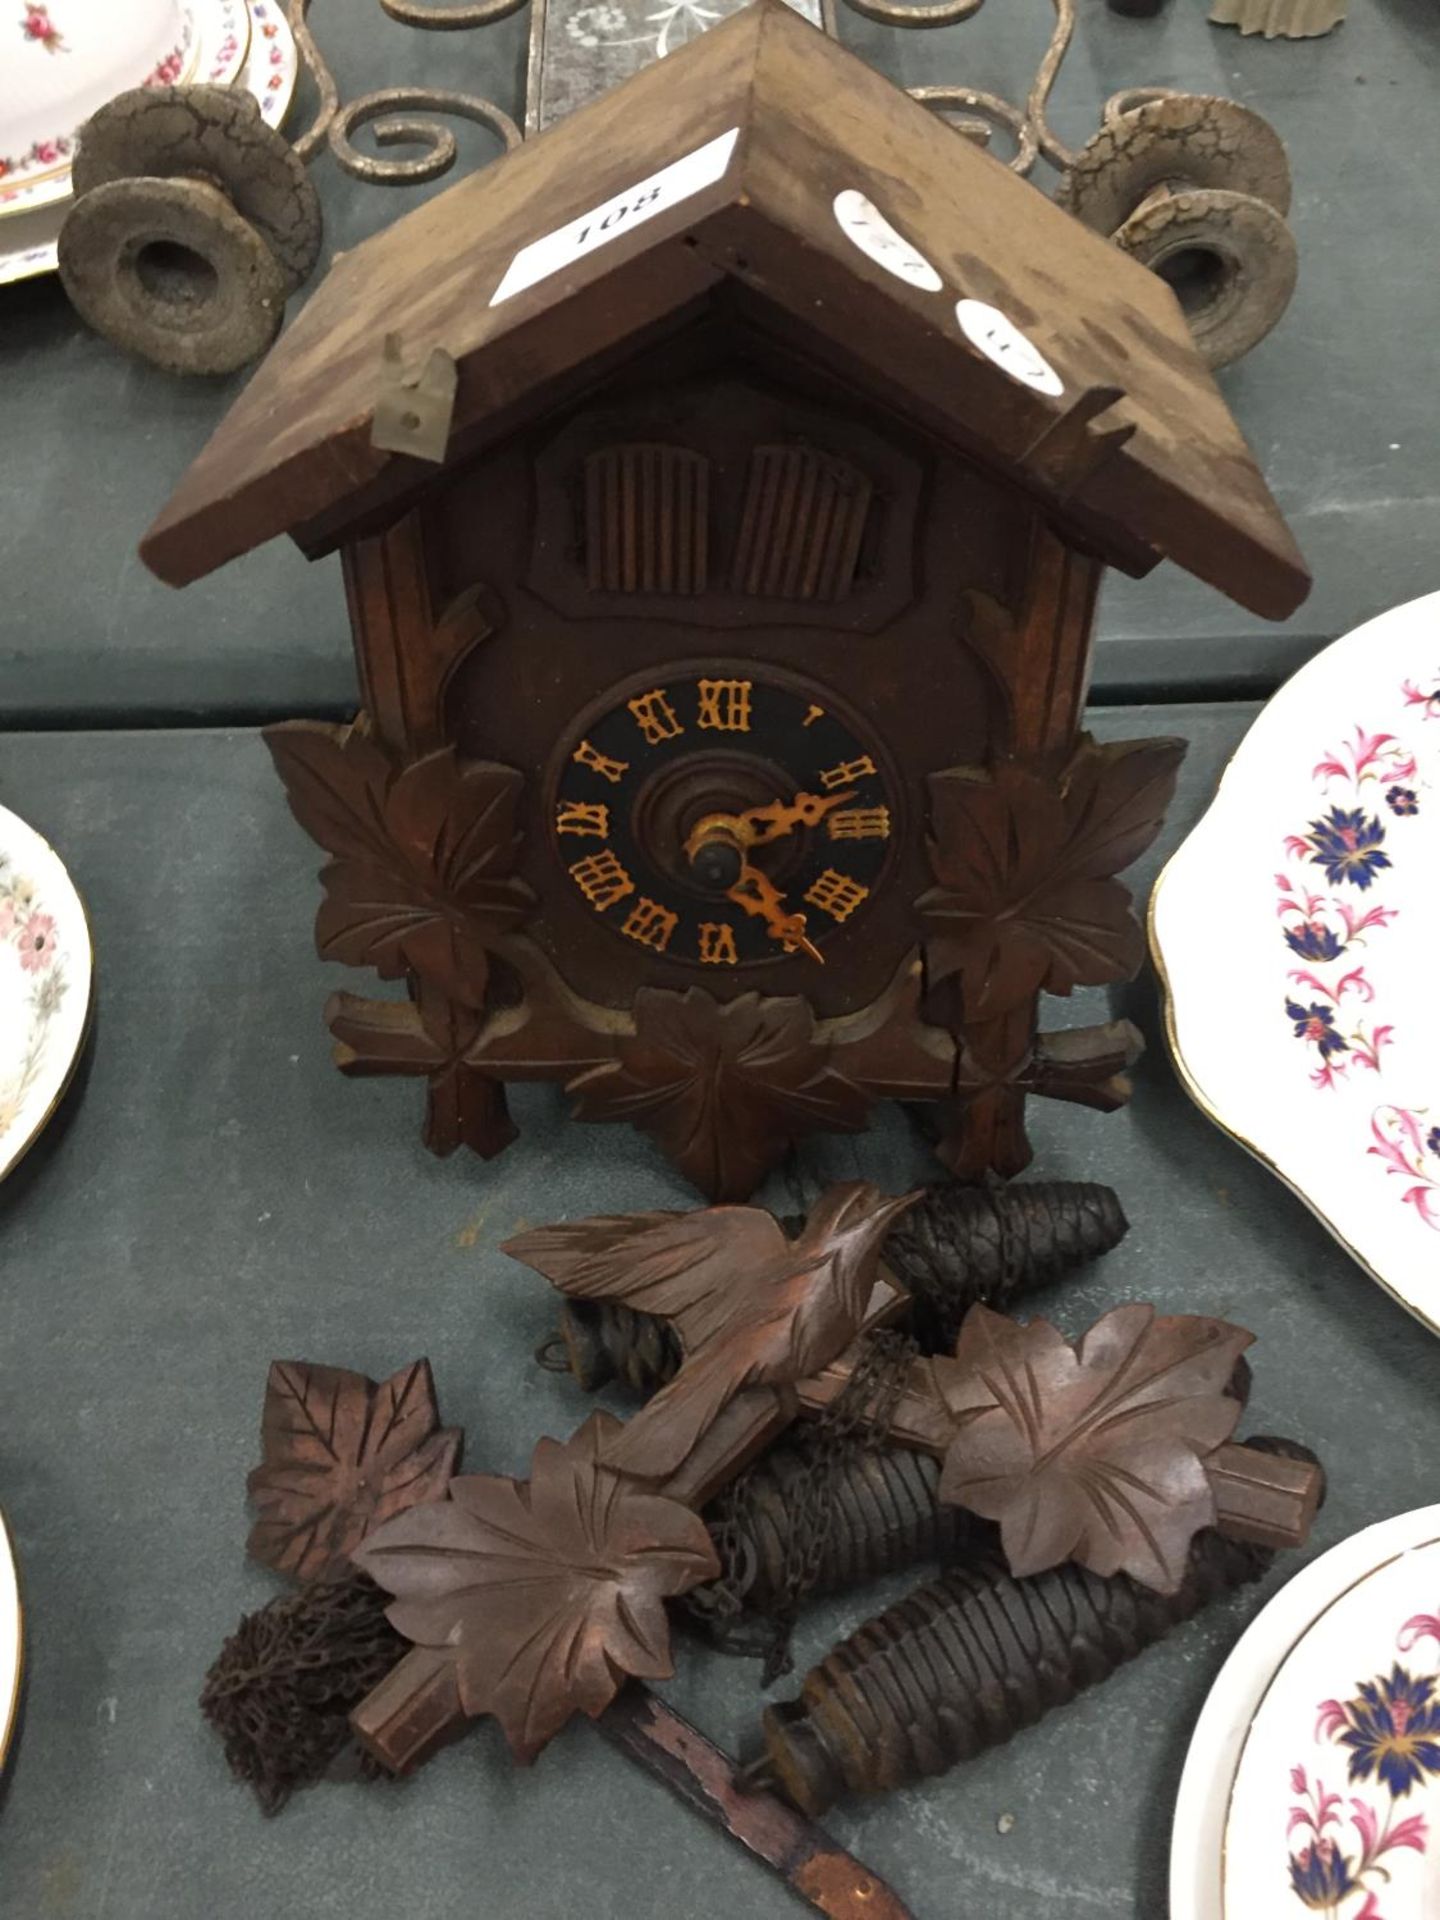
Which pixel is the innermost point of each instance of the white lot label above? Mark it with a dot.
(864, 223)
(621, 215)
(1002, 341)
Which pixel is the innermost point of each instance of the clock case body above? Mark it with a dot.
(729, 448)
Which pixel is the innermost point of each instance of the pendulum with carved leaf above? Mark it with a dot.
(1144, 1399)
(751, 1306)
(958, 1245)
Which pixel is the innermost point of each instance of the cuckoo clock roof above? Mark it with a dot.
(1136, 455)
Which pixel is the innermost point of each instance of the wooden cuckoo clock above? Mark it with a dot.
(722, 667)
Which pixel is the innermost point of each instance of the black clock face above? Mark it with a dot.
(722, 820)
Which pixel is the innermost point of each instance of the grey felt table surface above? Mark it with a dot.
(1339, 404)
(214, 1195)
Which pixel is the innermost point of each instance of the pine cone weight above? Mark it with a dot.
(989, 1244)
(964, 1663)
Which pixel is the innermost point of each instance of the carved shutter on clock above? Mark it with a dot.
(802, 525)
(646, 519)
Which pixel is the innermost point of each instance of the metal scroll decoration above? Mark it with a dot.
(383, 109)
(981, 111)
(387, 111)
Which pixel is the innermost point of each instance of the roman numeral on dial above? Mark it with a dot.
(724, 705)
(655, 716)
(847, 773)
(650, 924)
(584, 817)
(836, 894)
(602, 879)
(717, 944)
(612, 770)
(859, 823)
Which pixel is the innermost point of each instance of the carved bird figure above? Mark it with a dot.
(751, 1307)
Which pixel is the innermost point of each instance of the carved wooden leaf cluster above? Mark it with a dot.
(751, 1307)
(1092, 1453)
(422, 877)
(340, 1455)
(433, 1035)
(723, 1087)
(1026, 897)
(550, 1591)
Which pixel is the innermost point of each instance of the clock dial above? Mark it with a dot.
(723, 819)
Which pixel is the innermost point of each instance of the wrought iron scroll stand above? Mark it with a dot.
(1194, 187)
(1029, 125)
(388, 110)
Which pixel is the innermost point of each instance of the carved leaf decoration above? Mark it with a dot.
(432, 1036)
(551, 1591)
(724, 1088)
(339, 1456)
(751, 1306)
(422, 879)
(1026, 899)
(983, 1127)
(1092, 1453)
(400, 1036)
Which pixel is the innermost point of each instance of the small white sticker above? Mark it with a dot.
(864, 223)
(1002, 341)
(619, 216)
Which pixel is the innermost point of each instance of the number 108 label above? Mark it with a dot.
(617, 216)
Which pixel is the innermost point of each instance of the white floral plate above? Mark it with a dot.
(46, 969)
(261, 34)
(1297, 931)
(64, 58)
(12, 1642)
(213, 51)
(1312, 1783)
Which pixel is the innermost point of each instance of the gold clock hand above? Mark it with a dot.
(761, 825)
(758, 895)
(758, 826)
(753, 890)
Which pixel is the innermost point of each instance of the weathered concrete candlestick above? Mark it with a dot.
(1280, 19)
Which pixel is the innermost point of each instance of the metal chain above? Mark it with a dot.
(857, 1418)
(858, 1415)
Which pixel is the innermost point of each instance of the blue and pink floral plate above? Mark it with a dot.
(1297, 931)
(46, 971)
(1313, 1781)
